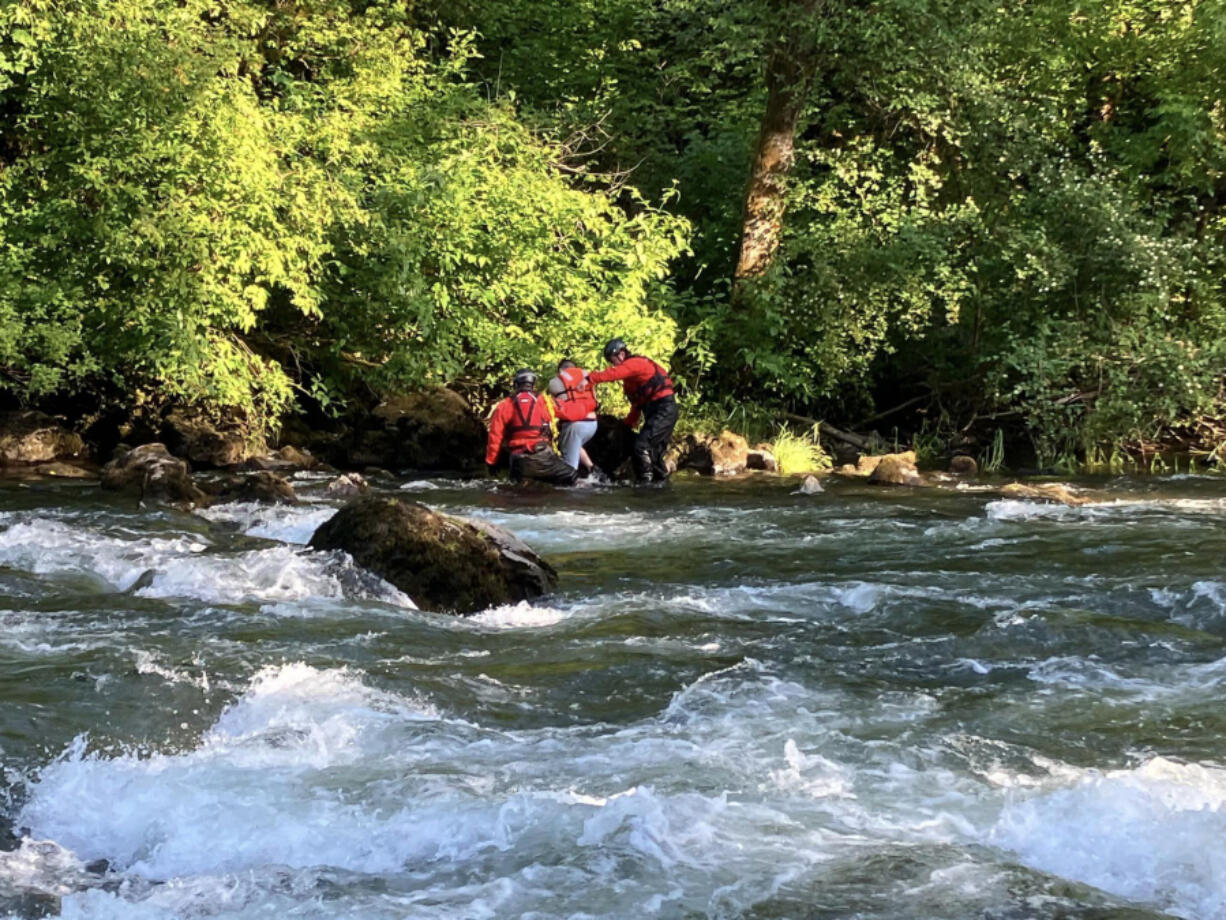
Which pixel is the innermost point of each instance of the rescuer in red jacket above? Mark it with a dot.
(650, 391)
(523, 423)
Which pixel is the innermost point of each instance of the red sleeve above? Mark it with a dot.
(609, 374)
(498, 422)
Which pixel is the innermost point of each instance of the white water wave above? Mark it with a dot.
(287, 523)
(1152, 834)
(183, 566)
(1010, 509)
(313, 769)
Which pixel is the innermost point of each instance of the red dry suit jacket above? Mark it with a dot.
(578, 403)
(643, 380)
(522, 421)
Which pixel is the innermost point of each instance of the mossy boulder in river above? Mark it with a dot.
(151, 472)
(442, 563)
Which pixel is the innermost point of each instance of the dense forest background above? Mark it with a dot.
(956, 217)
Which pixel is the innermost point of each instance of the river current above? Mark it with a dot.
(742, 703)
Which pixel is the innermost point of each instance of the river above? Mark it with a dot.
(742, 703)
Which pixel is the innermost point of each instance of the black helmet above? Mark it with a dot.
(524, 379)
(564, 364)
(613, 347)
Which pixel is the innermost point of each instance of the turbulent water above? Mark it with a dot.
(742, 703)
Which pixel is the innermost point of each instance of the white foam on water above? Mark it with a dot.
(253, 793)
(1009, 509)
(516, 616)
(1152, 834)
(51, 547)
(1014, 509)
(312, 768)
(181, 567)
(287, 523)
(419, 485)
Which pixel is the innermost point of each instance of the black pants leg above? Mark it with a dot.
(659, 419)
(543, 465)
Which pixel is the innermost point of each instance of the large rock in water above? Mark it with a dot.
(32, 437)
(441, 562)
(151, 472)
(895, 470)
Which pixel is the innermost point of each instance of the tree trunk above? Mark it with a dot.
(789, 73)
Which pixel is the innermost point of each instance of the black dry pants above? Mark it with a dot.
(659, 418)
(544, 465)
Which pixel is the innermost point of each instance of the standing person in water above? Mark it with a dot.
(575, 406)
(523, 423)
(650, 391)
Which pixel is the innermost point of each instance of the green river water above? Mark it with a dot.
(742, 703)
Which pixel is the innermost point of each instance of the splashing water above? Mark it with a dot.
(742, 703)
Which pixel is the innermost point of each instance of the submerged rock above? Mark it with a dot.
(151, 472)
(1052, 492)
(33, 437)
(262, 486)
(442, 563)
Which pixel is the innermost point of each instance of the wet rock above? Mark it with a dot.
(963, 465)
(429, 430)
(612, 446)
(895, 470)
(442, 563)
(729, 453)
(149, 471)
(351, 485)
(761, 458)
(192, 433)
(261, 486)
(723, 455)
(59, 470)
(811, 486)
(296, 458)
(9, 839)
(1051, 492)
(33, 437)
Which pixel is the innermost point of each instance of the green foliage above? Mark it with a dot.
(1015, 206)
(799, 453)
(222, 201)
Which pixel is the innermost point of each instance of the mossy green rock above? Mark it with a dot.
(443, 563)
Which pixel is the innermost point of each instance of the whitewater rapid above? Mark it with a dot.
(760, 705)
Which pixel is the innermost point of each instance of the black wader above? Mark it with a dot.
(659, 418)
(544, 465)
